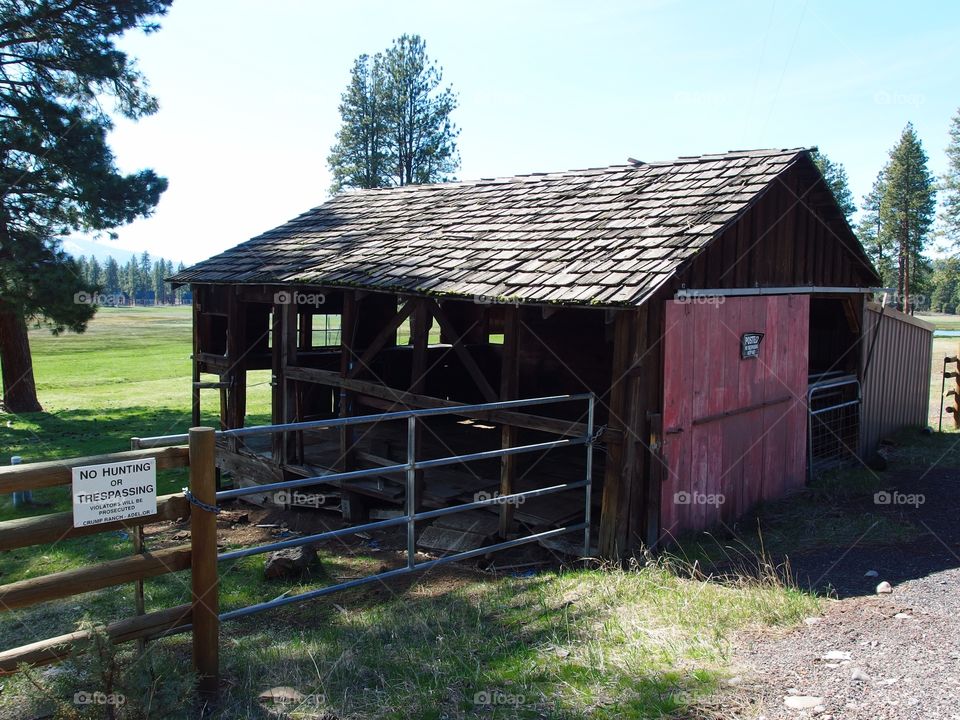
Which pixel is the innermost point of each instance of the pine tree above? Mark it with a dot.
(159, 273)
(94, 272)
(944, 281)
(59, 69)
(907, 209)
(950, 185)
(868, 230)
(396, 127)
(111, 276)
(836, 176)
(358, 159)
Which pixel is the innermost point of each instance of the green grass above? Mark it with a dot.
(647, 641)
(941, 321)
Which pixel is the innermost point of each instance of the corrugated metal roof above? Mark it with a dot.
(606, 236)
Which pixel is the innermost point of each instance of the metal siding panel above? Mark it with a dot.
(896, 391)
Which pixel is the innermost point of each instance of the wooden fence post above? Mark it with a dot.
(204, 577)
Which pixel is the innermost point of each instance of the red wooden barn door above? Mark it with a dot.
(734, 427)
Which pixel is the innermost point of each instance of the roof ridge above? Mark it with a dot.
(534, 176)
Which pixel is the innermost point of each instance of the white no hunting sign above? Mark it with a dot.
(114, 491)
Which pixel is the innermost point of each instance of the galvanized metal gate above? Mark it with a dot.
(833, 429)
(409, 469)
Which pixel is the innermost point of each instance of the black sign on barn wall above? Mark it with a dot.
(750, 345)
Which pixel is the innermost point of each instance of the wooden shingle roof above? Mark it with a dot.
(607, 236)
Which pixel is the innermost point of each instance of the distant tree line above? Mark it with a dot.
(140, 281)
(899, 225)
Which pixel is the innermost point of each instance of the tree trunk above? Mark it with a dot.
(16, 364)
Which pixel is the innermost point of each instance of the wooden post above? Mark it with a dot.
(203, 567)
(354, 507)
(278, 380)
(195, 358)
(420, 321)
(138, 549)
(509, 386)
(613, 536)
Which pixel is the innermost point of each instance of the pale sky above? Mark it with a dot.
(249, 91)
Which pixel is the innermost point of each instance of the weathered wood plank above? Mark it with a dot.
(509, 387)
(31, 476)
(93, 577)
(43, 652)
(398, 399)
(24, 532)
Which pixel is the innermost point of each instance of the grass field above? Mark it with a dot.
(645, 641)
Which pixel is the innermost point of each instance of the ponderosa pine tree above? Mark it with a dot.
(58, 64)
(950, 185)
(396, 126)
(907, 209)
(868, 230)
(358, 159)
(836, 176)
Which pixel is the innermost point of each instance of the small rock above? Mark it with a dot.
(289, 563)
(282, 694)
(859, 675)
(837, 655)
(871, 573)
(884, 588)
(819, 709)
(903, 616)
(802, 702)
(811, 620)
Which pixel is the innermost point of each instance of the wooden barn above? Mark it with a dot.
(714, 304)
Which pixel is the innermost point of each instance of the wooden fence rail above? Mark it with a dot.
(200, 615)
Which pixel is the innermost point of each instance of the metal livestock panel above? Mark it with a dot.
(896, 354)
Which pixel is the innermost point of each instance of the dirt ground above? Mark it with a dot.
(893, 655)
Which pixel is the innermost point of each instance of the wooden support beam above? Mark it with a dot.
(354, 506)
(279, 380)
(93, 577)
(612, 535)
(509, 387)
(386, 333)
(420, 337)
(32, 476)
(195, 357)
(398, 399)
(53, 527)
(288, 357)
(469, 364)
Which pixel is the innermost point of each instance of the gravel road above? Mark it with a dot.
(870, 655)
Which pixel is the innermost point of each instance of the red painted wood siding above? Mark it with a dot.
(721, 456)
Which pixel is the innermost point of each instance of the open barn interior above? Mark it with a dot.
(336, 353)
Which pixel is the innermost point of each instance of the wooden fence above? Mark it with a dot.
(200, 556)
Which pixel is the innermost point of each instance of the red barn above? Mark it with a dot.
(715, 305)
